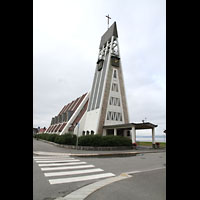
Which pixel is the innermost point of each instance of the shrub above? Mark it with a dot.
(52, 137)
(88, 140)
(69, 139)
(102, 141)
(42, 136)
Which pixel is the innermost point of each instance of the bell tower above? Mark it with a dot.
(107, 102)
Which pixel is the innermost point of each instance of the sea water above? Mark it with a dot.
(158, 138)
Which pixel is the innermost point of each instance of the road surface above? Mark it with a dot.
(58, 176)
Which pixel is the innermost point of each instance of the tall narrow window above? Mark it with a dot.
(115, 74)
(120, 117)
(114, 116)
(111, 100)
(108, 116)
(114, 101)
(114, 87)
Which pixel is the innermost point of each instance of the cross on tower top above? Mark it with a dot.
(108, 20)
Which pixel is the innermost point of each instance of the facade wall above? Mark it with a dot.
(114, 106)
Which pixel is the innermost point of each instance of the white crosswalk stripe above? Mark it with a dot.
(52, 161)
(47, 157)
(68, 167)
(71, 167)
(58, 158)
(80, 178)
(73, 172)
(61, 164)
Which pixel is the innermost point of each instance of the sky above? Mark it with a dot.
(66, 38)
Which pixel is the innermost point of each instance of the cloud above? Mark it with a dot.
(66, 37)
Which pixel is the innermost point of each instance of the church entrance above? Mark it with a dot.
(129, 130)
(110, 132)
(120, 132)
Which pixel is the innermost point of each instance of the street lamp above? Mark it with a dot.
(77, 135)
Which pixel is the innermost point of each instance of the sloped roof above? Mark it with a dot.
(112, 31)
(72, 106)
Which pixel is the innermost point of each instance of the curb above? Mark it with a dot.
(115, 154)
(85, 191)
(123, 154)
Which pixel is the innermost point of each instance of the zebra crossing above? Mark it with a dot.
(65, 169)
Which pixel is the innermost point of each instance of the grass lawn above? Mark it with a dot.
(162, 144)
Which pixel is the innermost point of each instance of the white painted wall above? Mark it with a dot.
(92, 120)
(81, 125)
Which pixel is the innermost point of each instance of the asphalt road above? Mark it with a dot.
(149, 184)
(142, 186)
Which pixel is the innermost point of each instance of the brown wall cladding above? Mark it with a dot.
(69, 107)
(52, 130)
(62, 126)
(49, 128)
(80, 99)
(58, 126)
(123, 95)
(73, 106)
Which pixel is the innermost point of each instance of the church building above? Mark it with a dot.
(103, 110)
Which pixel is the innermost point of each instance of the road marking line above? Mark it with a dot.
(61, 164)
(71, 167)
(81, 178)
(73, 172)
(51, 161)
(146, 170)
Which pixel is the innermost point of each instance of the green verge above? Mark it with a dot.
(162, 144)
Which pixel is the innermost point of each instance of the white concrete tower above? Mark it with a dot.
(107, 103)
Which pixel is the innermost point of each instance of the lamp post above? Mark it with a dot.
(77, 136)
(165, 134)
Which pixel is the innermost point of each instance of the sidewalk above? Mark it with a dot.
(114, 153)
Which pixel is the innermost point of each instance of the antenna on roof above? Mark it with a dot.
(145, 119)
